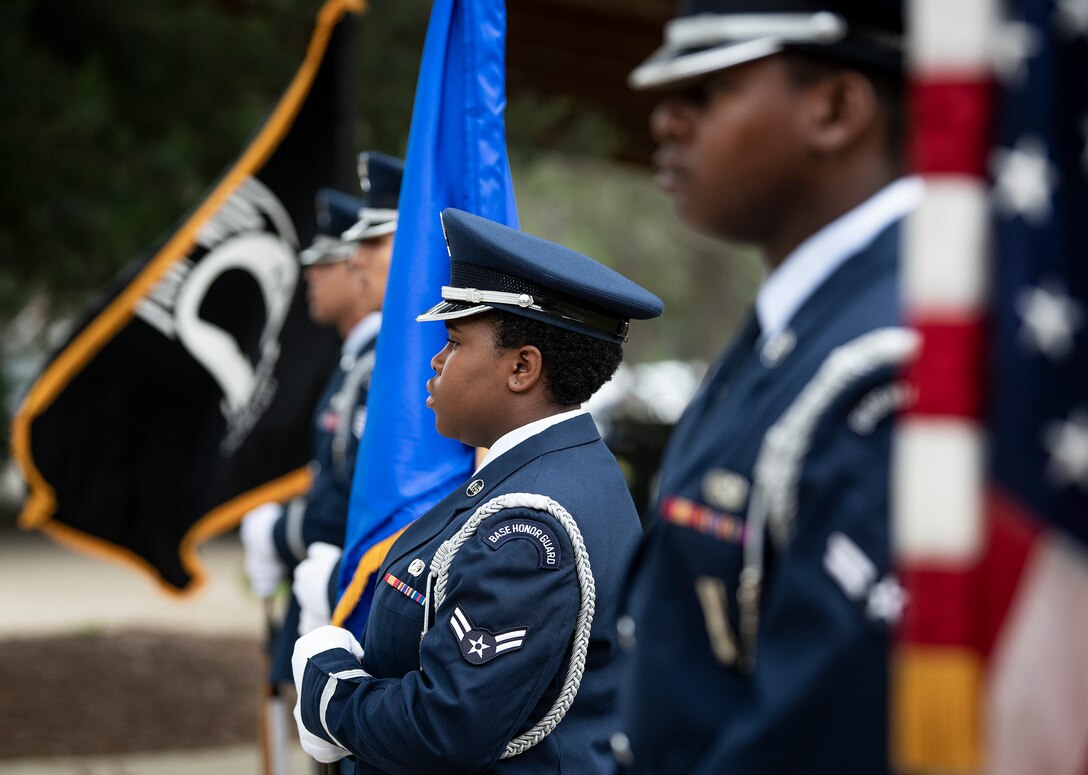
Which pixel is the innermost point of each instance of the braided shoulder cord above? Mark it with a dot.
(360, 373)
(777, 470)
(778, 466)
(439, 573)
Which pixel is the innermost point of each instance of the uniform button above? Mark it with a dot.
(625, 630)
(347, 362)
(621, 749)
(777, 348)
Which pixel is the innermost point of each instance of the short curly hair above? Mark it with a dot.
(575, 365)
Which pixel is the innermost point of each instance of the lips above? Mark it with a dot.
(430, 395)
(668, 179)
(669, 173)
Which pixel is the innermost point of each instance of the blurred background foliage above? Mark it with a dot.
(117, 115)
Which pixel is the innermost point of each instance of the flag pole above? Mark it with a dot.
(939, 454)
(273, 712)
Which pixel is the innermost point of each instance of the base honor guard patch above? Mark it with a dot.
(539, 534)
(479, 645)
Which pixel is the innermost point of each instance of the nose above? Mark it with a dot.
(670, 120)
(438, 359)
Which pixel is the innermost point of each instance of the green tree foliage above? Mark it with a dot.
(617, 215)
(117, 115)
(391, 35)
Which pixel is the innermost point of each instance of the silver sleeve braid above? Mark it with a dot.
(440, 569)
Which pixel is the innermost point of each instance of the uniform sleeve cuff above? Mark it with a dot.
(329, 678)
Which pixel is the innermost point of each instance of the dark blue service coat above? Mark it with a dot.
(817, 699)
(325, 511)
(451, 701)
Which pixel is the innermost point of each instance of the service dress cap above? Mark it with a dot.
(710, 35)
(335, 211)
(379, 178)
(493, 266)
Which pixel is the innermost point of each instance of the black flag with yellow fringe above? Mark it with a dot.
(185, 396)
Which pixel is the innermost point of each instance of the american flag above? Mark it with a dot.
(1040, 200)
(991, 672)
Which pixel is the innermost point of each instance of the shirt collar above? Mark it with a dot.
(508, 441)
(815, 259)
(363, 331)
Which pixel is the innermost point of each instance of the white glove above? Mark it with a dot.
(321, 639)
(263, 565)
(311, 585)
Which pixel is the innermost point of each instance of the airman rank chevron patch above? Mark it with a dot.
(479, 645)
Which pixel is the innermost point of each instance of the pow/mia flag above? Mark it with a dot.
(185, 396)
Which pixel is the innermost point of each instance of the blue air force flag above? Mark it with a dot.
(456, 158)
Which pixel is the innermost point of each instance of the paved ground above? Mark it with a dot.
(46, 589)
(220, 761)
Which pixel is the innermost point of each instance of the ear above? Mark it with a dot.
(844, 108)
(527, 369)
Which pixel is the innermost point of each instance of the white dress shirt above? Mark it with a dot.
(806, 267)
(361, 333)
(508, 441)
